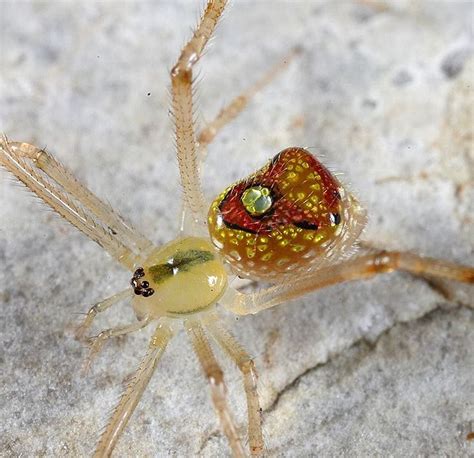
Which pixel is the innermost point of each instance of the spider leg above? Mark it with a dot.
(50, 181)
(360, 268)
(182, 104)
(239, 103)
(133, 392)
(216, 379)
(246, 365)
(98, 342)
(57, 172)
(100, 307)
(227, 115)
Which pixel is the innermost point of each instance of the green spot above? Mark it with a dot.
(257, 200)
(161, 272)
(182, 261)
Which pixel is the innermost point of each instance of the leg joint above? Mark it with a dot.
(215, 376)
(181, 73)
(247, 366)
(104, 335)
(386, 261)
(40, 158)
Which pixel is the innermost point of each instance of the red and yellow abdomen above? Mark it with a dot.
(282, 218)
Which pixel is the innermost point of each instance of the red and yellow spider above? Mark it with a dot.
(292, 224)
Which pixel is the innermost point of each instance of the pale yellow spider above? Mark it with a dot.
(291, 224)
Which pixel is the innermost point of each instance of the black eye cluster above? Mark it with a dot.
(141, 287)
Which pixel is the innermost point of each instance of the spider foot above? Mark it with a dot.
(95, 345)
(81, 330)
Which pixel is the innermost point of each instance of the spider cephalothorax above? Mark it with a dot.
(183, 267)
(282, 216)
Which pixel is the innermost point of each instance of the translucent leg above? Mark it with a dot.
(24, 161)
(133, 392)
(216, 379)
(225, 116)
(98, 342)
(360, 268)
(236, 106)
(62, 176)
(246, 365)
(100, 307)
(182, 95)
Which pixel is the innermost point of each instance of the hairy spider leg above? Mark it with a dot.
(182, 103)
(246, 365)
(360, 268)
(116, 224)
(215, 377)
(133, 392)
(100, 307)
(239, 103)
(233, 109)
(97, 342)
(70, 201)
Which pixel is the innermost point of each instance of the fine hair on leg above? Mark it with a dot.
(18, 159)
(182, 105)
(359, 268)
(215, 376)
(133, 392)
(100, 307)
(247, 367)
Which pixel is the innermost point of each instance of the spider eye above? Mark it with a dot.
(141, 287)
(257, 200)
(285, 216)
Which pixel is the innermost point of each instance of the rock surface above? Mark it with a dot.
(384, 90)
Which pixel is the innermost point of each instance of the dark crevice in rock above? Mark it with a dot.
(453, 64)
(365, 345)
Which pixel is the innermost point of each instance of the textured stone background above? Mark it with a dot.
(383, 89)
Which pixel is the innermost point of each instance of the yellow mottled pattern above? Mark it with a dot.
(287, 247)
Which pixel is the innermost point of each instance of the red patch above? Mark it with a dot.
(287, 208)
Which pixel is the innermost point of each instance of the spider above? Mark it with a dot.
(291, 224)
